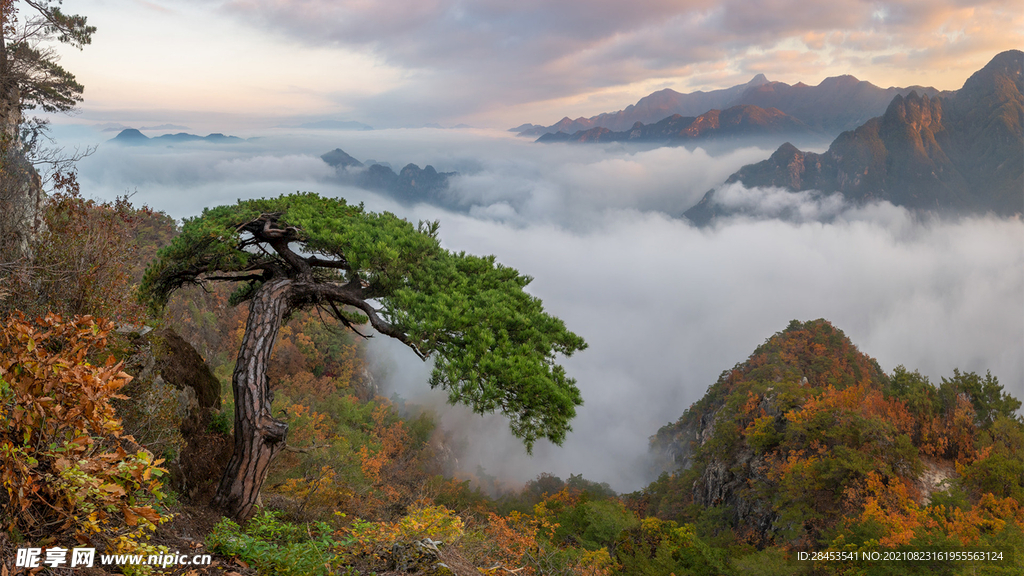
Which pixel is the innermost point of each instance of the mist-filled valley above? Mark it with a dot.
(335, 288)
(665, 306)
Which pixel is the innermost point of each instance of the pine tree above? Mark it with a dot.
(492, 344)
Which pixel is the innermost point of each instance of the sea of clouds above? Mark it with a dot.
(664, 306)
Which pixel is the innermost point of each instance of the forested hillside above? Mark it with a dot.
(809, 445)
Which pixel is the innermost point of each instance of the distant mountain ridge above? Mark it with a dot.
(738, 121)
(836, 104)
(410, 185)
(133, 137)
(335, 125)
(650, 109)
(961, 153)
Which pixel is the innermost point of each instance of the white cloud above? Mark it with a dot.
(665, 307)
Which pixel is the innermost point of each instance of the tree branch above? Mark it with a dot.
(338, 264)
(387, 329)
(351, 294)
(236, 278)
(345, 321)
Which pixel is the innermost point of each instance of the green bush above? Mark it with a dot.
(273, 546)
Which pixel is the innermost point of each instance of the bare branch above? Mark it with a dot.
(235, 278)
(351, 294)
(339, 264)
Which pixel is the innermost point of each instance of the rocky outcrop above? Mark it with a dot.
(411, 185)
(21, 207)
(726, 481)
(21, 189)
(934, 478)
(173, 404)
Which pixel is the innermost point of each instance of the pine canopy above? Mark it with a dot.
(493, 346)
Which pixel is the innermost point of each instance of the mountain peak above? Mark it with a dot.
(957, 154)
(130, 135)
(842, 81)
(340, 159)
(1004, 69)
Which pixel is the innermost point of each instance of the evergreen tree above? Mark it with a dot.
(492, 344)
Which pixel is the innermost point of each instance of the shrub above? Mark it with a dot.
(277, 547)
(65, 466)
(375, 539)
(523, 544)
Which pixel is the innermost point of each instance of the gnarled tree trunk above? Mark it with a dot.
(258, 436)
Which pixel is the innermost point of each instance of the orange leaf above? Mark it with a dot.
(113, 489)
(148, 513)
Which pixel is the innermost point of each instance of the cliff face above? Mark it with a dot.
(21, 206)
(957, 154)
(21, 189)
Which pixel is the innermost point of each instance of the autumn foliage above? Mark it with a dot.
(88, 259)
(808, 445)
(66, 468)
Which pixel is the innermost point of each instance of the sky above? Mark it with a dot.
(665, 306)
(499, 63)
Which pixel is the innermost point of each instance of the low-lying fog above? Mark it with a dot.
(664, 306)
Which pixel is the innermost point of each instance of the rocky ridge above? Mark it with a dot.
(962, 153)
